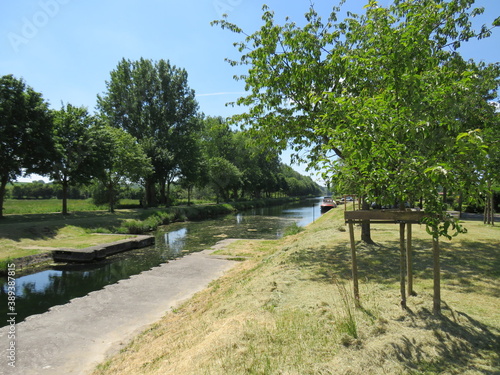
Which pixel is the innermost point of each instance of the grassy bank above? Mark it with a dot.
(43, 206)
(287, 309)
(28, 234)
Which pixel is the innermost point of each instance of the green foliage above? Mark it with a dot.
(101, 195)
(240, 167)
(25, 132)
(153, 102)
(34, 190)
(224, 177)
(76, 154)
(382, 101)
(292, 229)
(123, 160)
(153, 219)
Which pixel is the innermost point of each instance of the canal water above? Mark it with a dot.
(38, 292)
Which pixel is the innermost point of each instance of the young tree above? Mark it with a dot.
(383, 91)
(76, 158)
(374, 97)
(153, 102)
(25, 132)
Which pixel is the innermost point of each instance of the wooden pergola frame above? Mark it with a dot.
(405, 219)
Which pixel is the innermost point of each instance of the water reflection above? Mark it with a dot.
(36, 293)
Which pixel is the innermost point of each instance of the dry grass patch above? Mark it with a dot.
(287, 309)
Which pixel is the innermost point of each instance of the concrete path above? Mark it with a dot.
(75, 337)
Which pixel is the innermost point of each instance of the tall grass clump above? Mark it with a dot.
(292, 229)
(150, 223)
(346, 323)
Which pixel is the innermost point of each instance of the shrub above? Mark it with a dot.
(292, 229)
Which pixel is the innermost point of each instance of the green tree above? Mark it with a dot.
(259, 166)
(76, 160)
(384, 92)
(25, 132)
(224, 177)
(123, 160)
(153, 102)
(218, 138)
(374, 98)
(193, 166)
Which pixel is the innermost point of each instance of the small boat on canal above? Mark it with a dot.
(327, 204)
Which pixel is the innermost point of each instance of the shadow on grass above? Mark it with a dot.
(463, 343)
(46, 226)
(375, 262)
(465, 262)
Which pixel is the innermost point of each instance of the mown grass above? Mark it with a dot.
(288, 309)
(43, 206)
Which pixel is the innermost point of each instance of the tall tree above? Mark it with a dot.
(75, 161)
(193, 166)
(153, 102)
(25, 132)
(224, 177)
(122, 160)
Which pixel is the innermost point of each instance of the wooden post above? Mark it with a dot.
(409, 261)
(437, 276)
(402, 263)
(354, 264)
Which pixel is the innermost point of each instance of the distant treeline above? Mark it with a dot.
(146, 133)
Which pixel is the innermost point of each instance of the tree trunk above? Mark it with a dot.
(150, 193)
(437, 276)
(492, 205)
(354, 264)
(365, 227)
(189, 189)
(65, 197)
(460, 204)
(402, 264)
(111, 198)
(163, 196)
(3, 184)
(485, 212)
(488, 206)
(168, 202)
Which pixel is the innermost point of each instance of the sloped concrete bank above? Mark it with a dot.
(93, 253)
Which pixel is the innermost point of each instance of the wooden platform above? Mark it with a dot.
(385, 216)
(93, 253)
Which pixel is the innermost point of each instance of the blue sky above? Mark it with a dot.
(66, 49)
